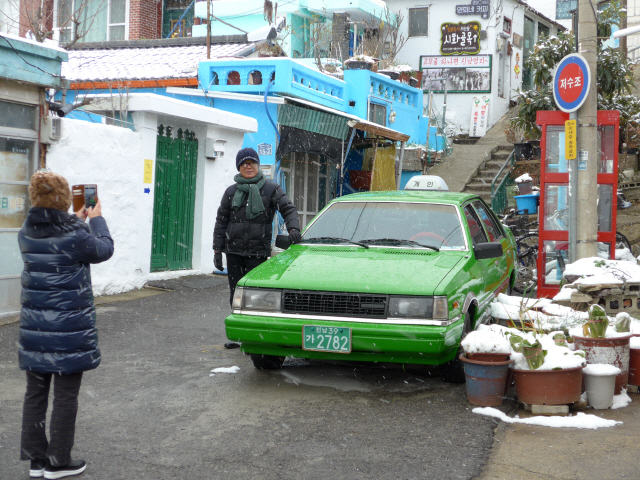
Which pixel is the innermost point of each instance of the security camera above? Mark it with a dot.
(61, 110)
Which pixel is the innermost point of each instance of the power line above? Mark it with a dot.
(30, 64)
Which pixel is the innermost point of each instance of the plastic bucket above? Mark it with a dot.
(600, 385)
(525, 188)
(610, 351)
(527, 204)
(486, 381)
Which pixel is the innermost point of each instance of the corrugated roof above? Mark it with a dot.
(100, 65)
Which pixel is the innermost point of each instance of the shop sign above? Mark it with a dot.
(479, 116)
(460, 38)
(477, 7)
(459, 74)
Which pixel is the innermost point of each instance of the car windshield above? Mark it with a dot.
(410, 225)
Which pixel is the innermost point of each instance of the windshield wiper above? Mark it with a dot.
(397, 241)
(333, 240)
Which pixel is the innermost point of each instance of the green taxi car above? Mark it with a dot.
(396, 276)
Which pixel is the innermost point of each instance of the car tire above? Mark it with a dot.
(266, 362)
(453, 371)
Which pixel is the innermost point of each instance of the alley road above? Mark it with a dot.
(152, 410)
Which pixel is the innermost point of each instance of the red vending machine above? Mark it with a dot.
(553, 213)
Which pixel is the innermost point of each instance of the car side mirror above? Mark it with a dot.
(488, 250)
(282, 241)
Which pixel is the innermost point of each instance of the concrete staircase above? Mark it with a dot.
(480, 183)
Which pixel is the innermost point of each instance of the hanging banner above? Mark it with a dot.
(479, 116)
(460, 38)
(459, 74)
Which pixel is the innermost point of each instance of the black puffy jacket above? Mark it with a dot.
(58, 320)
(236, 235)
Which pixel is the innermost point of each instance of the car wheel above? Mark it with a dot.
(266, 362)
(453, 371)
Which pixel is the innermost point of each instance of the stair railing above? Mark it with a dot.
(499, 198)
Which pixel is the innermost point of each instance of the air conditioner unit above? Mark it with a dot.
(50, 129)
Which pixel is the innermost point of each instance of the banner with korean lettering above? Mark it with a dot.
(479, 116)
(458, 74)
(460, 38)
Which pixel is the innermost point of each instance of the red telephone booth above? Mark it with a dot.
(553, 214)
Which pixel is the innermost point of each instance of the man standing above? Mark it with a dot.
(244, 223)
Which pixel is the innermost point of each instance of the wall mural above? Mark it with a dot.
(459, 74)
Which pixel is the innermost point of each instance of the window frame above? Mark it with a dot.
(371, 116)
(70, 25)
(409, 32)
(492, 220)
(474, 214)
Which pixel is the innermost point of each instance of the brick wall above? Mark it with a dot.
(145, 19)
(29, 11)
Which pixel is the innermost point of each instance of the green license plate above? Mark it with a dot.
(326, 339)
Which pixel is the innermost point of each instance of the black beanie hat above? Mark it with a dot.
(247, 154)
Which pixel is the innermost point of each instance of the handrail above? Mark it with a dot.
(494, 191)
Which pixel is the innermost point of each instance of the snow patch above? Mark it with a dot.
(233, 369)
(580, 420)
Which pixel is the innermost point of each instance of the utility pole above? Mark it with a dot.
(587, 220)
(623, 25)
(208, 29)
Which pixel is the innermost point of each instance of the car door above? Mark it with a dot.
(498, 268)
(480, 268)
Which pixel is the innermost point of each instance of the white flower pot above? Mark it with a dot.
(600, 382)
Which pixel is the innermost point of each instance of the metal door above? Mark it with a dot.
(174, 202)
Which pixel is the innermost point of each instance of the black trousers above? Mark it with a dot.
(62, 430)
(238, 266)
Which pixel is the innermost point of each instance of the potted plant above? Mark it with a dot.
(546, 371)
(360, 62)
(486, 365)
(605, 344)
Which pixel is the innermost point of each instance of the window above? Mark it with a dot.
(418, 22)
(477, 233)
(378, 114)
(17, 160)
(98, 20)
(9, 20)
(506, 25)
(489, 222)
(543, 31)
(178, 31)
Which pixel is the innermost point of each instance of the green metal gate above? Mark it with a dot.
(174, 203)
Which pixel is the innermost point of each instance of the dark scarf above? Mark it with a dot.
(250, 187)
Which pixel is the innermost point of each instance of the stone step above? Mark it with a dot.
(500, 155)
(479, 187)
(486, 196)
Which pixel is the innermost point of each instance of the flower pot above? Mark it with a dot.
(548, 387)
(488, 357)
(600, 383)
(357, 65)
(414, 82)
(612, 351)
(486, 381)
(634, 366)
(523, 151)
(389, 73)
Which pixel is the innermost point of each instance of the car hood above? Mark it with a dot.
(355, 269)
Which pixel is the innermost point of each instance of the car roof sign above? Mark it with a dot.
(427, 183)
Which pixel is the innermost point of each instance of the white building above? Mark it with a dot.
(484, 65)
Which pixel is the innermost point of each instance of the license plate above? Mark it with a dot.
(326, 339)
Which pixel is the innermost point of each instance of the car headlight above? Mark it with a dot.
(418, 307)
(257, 299)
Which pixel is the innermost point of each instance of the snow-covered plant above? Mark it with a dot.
(596, 326)
(623, 322)
(533, 353)
(560, 339)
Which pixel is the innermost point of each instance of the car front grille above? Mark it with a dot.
(339, 304)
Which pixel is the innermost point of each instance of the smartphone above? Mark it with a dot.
(84, 196)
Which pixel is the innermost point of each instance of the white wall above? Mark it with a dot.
(111, 158)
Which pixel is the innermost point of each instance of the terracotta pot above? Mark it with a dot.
(610, 351)
(488, 357)
(548, 387)
(634, 367)
(486, 381)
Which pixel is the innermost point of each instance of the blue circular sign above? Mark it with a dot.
(571, 81)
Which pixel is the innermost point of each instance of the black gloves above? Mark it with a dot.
(217, 261)
(294, 236)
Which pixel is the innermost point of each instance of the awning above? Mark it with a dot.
(314, 121)
(352, 120)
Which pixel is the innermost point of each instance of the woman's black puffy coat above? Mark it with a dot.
(58, 320)
(237, 235)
